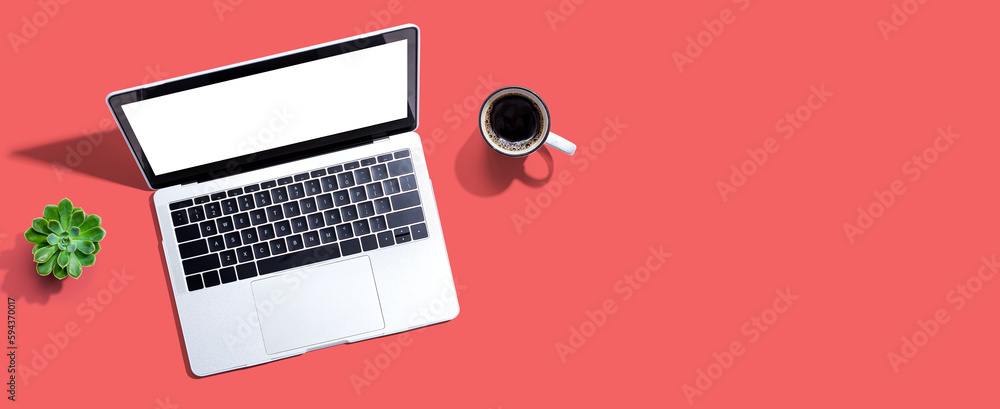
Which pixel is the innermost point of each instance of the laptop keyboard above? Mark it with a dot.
(297, 220)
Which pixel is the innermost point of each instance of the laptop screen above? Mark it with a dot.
(271, 110)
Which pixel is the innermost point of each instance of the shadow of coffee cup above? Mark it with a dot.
(484, 173)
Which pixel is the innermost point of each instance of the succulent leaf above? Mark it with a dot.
(46, 267)
(62, 259)
(95, 234)
(55, 227)
(43, 254)
(97, 248)
(34, 249)
(77, 217)
(91, 222)
(33, 236)
(59, 272)
(40, 225)
(52, 239)
(84, 246)
(74, 268)
(86, 260)
(74, 231)
(51, 212)
(71, 248)
(65, 211)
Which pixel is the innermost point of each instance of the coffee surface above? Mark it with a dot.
(515, 118)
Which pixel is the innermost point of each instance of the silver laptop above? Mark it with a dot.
(293, 199)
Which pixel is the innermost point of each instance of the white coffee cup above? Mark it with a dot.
(514, 121)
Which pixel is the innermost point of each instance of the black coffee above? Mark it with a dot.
(515, 118)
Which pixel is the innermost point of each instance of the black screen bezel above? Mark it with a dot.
(270, 157)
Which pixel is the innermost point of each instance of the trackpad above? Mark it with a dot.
(316, 305)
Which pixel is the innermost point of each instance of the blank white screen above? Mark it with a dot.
(272, 109)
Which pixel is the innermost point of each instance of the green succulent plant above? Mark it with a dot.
(66, 240)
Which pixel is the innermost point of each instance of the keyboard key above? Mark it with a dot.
(299, 259)
(349, 213)
(374, 190)
(295, 191)
(350, 246)
(405, 200)
(344, 231)
(402, 154)
(218, 195)
(366, 210)
(232, 240)
(179, 217)
(187, 233)
(345, 179)
(285, 181)
(382, 206)
(324, 201)
(201, 199)
(328, 235)
(194, 282)
(391, 186)
(279, 195)
(385, 239)
(402, 234)
(282, 228)
(308, 205)
(299, 225)
(228, 274)
(228, 257)
(400, 167)
(311, 239)
(234, 192)
(213, 210)
(317, 173)
(269, 184)
(249, 235)
(385, 158)
(245, 271)
(358, 194)
(312, 187)
(258, 217)
(418, 231)
(302, 176)
(278, 246)
(274, 213)
(208, 229)
(341, 197)
(377, 223)
(408, 182)
(252, 188)
(360, 227)
(315, 221)
(294, 242)
(332, 217)
(262, 198)
(246, 202)
(265, 232)
(199, 264)
(244, 254)
(193, 248)
(334, 169)
(367, 161)
(196, 214)
(329, 183)
(211, 278)
(224, 225)
(369, 242)
(352, 165)
(405, 217)
(379, 172)
(216, 243)
(362, 176)
(261, 250)
(241, 221)
(181, 204)
(291, 209)
(229, 206)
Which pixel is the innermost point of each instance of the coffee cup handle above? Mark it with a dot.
(560, 143)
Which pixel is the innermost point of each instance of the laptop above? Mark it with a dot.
(293, 200)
